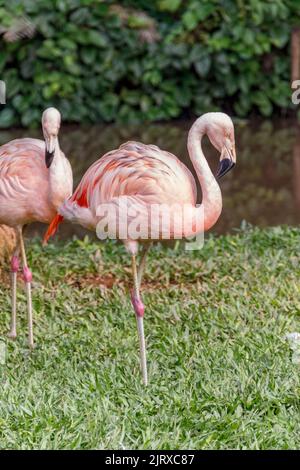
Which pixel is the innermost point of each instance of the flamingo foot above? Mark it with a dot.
(139, 309)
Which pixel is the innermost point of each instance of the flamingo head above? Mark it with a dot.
(51, 123)
(220, 131)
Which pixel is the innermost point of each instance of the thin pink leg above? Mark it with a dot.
(139, 309)
(142, 264)
(14, 272)
(27, 276)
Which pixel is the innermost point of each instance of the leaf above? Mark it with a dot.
(204, 10)
(7, 117)
(97, 39)
(262, 101)
(30, 117)
(190, 20)
(169, 5)
(202, 65)
(88, 55)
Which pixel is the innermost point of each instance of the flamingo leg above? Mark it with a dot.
(14, 272)
(27, 276)
(142, 264)
(139, 313)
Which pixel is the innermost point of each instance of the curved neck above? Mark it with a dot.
(58, 177)
(57, 152)
(211, 205)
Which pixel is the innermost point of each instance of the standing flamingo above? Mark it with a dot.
(141, 176)
(34, 181)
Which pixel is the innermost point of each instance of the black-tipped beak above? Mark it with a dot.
(225, 165)
(49, 158)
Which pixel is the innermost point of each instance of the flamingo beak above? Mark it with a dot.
(49, 152)
(227, 162)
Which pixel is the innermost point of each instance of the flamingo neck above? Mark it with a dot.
(211, 206)
(57, 177)
(55, 168)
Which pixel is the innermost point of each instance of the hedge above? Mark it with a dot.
(140, 60)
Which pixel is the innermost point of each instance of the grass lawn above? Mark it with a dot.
(221, 373)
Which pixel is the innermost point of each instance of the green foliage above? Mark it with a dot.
(100, 60)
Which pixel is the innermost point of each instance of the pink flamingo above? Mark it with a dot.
(35, 178)
(139, 176)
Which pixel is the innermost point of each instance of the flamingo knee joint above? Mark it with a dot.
(15, 264)
(27, 274)
(137, 304)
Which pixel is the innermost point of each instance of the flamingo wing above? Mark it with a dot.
(145, 173)
(135, 169)
(23, 175)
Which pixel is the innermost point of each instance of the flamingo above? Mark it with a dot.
(143, 175)
(35, 178)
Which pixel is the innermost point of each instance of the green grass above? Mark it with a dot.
(221, 372)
